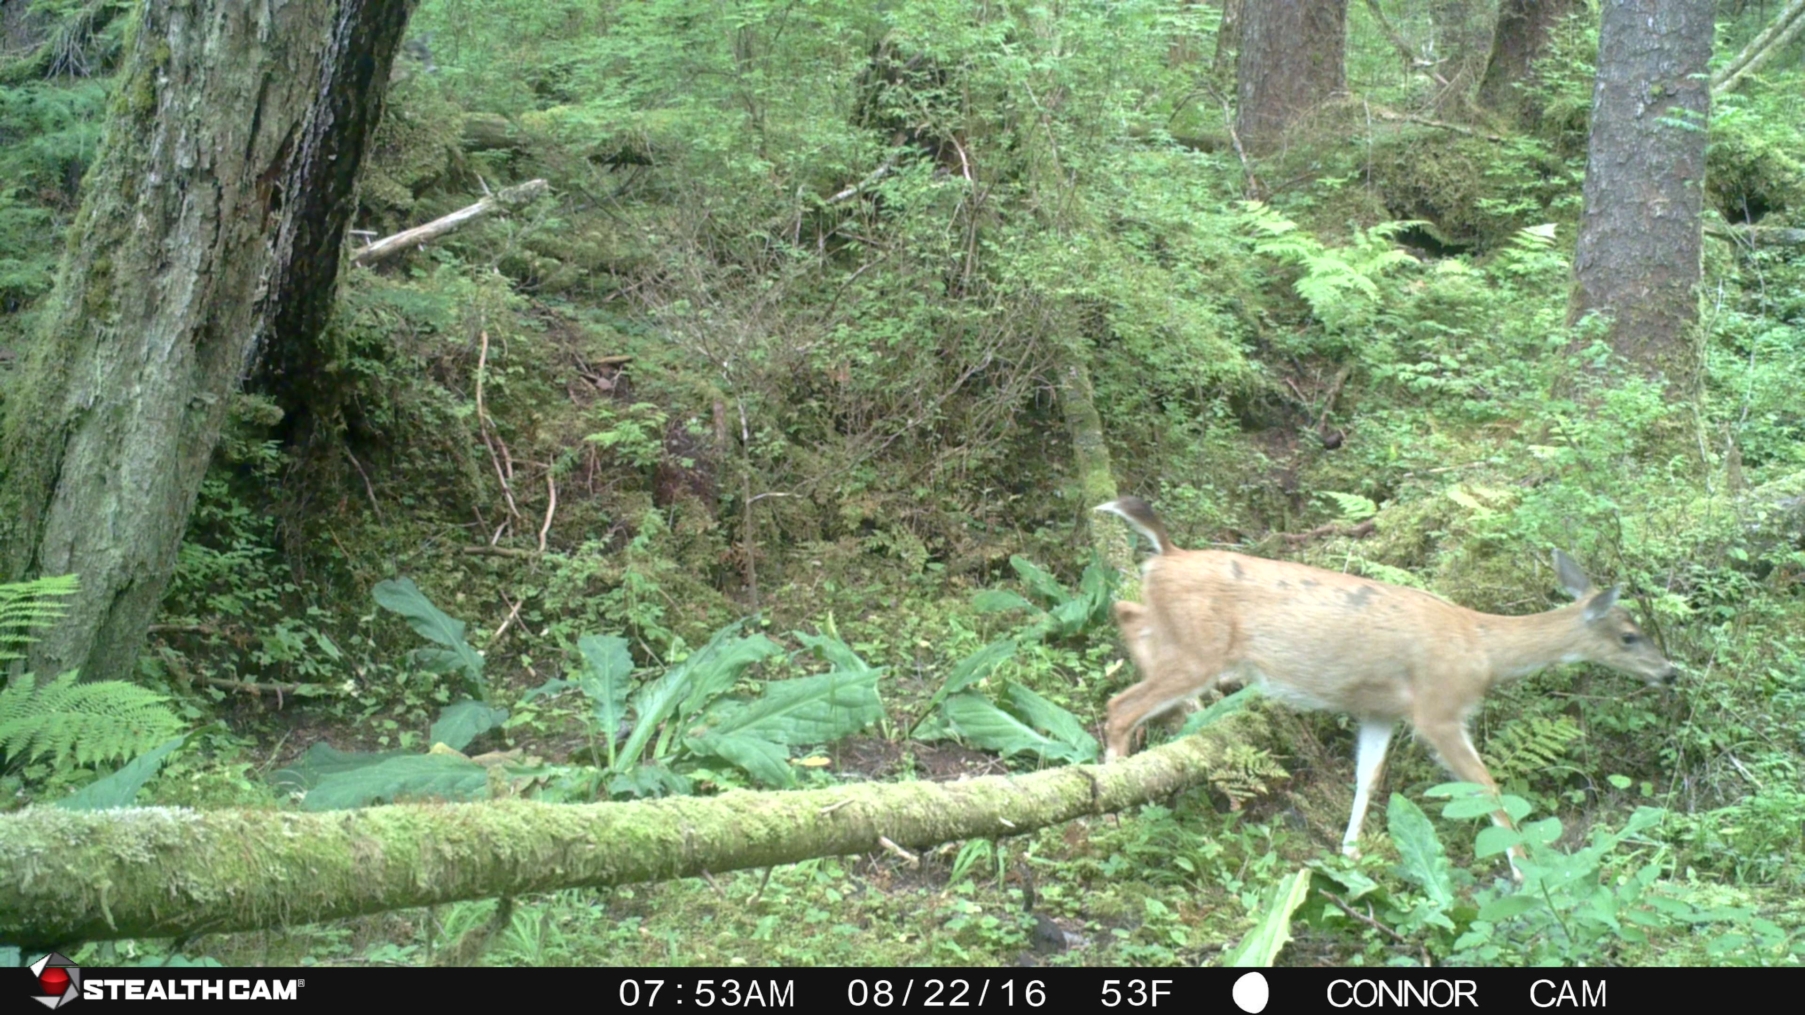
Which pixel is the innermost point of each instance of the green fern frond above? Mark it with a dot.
(28, 605)
(1531, 745)
(1244, 773)
(66, 721)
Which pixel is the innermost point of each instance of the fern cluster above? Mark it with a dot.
(103, 721)
(64, 721)
(25, 605)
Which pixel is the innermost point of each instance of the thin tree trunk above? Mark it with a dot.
(1638, 258)
(1095, 473)
(161, 872)
(1293, 57)
(1518, 40)
(1779, 34)
(215, 209)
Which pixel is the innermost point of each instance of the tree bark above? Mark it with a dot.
(1638, 258)
(1518, 40)
(158, 872)
(1293, 57)
(214, 214)
(1228, 43)
(1095, 472)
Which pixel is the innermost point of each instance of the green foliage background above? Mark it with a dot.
(847, 248)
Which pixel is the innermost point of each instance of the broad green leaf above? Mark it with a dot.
(121, 788)
(765, 761)
(1050, 719)
(693, 682)
(402, 596)
(829, 647)
(973, 668)
(1507, 906)
(1069, 617)
(463, 722)
(409, 777)
(1424, 861)
(1355, 883)
(321, 761)
(1262, 944)
(1039, 581)
(984, 725)
(806, 710)
(1544, 832)
(714, 668)
(606, 678)
(1494, 840)
(1471, 800)
(1097, 586)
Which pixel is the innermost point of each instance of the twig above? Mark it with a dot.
(512, 613)
(550, 507)
(1386, 114)
(1375, 924)
(1252, 187)
(761, 887)
(482, 426)
(1746, 774)
(367, 487)
(502, 551)
(908, 857)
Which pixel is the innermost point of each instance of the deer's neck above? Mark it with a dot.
(1518, 646)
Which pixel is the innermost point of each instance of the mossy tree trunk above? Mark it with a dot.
(1518, 39)
(1640, 241)
(211, 220)
(1093, 472)
(1292, 58)
(68, 876)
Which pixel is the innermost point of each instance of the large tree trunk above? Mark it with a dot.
(1518, 40)
(1292, 58)
(159, 871)
(213, 215)
(1639, 233)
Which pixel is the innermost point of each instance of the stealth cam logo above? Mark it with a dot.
(58, 978)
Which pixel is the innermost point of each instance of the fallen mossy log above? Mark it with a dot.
(69, 876)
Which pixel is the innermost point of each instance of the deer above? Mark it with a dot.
(1326, 641)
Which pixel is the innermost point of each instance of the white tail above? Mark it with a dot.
(1322, 640)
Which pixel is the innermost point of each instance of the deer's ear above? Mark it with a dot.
(1572, 577)
(1601, 604)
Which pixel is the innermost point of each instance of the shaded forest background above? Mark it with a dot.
(796, 335)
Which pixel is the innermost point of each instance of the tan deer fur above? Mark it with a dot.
(1322, 640)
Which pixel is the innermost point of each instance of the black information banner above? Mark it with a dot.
(55, 985)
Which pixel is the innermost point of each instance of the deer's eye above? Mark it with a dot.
(1631, 638)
